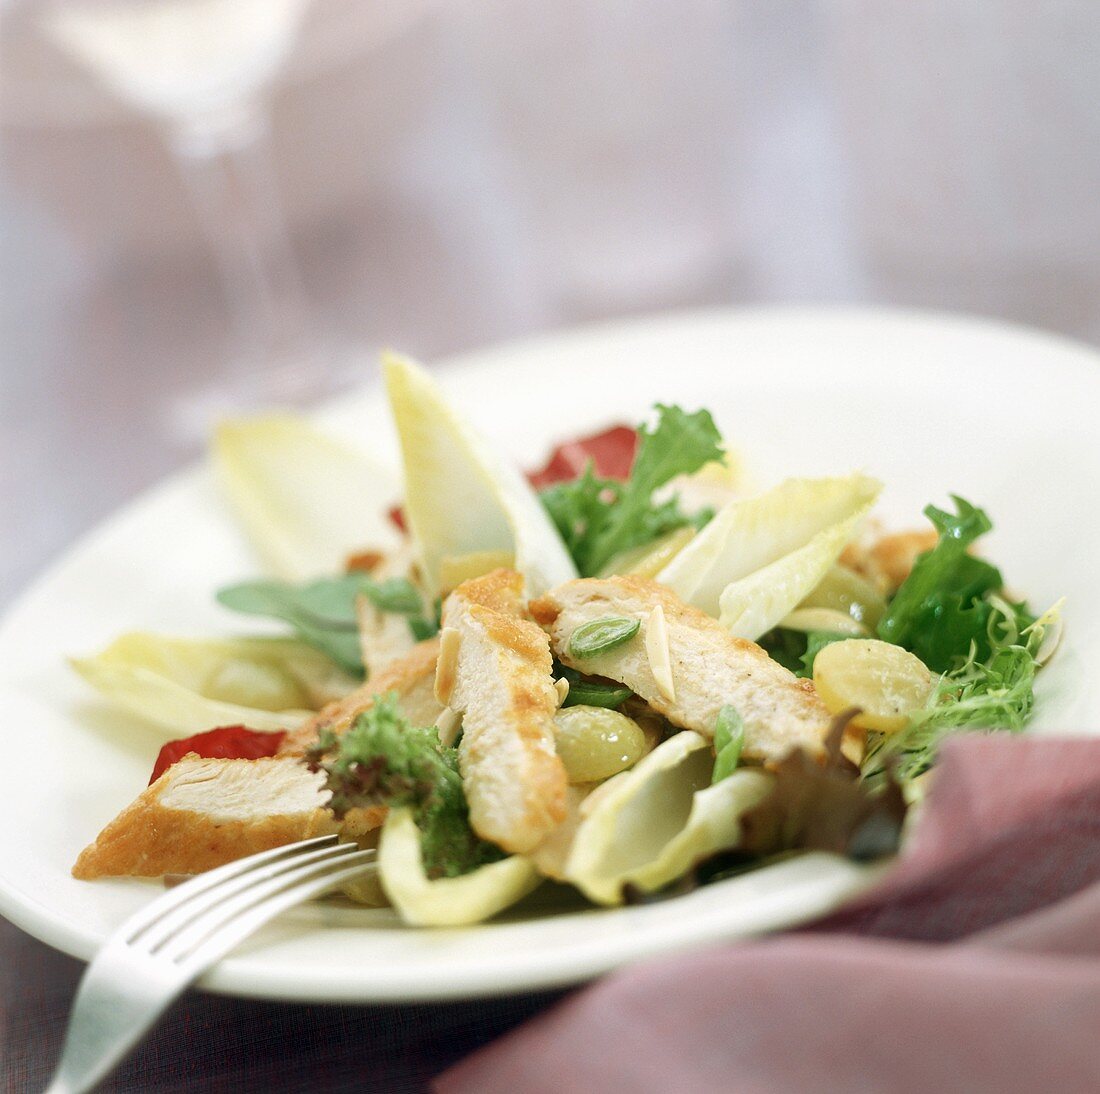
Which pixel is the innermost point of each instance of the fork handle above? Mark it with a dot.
(120, 998)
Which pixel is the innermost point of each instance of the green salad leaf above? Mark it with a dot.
(394, 594)
(600, 518)
(729, 737)
(796, 650)
(323, 612)
(382, 760)
(944, 607)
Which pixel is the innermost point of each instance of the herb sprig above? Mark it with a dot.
(323, 612)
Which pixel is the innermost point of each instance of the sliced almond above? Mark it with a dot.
(657, 651)
(562, 688)
(447, 666)
(447, 726)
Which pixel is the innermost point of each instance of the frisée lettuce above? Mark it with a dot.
(985, 692)
(601, 518)
(382, 760)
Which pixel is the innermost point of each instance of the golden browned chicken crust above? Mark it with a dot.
(710, 668)
(203, 813)
(411, 676)
(501, 683)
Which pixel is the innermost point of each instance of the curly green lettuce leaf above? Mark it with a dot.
(994, 692)
(186, 685)
(305, 499)
(323, 612)
(601, 518)
(943, 608)
(382, 760)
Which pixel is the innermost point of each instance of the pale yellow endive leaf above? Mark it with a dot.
(445, 902)
(650, 824)
(461, 497)
(761, 556)
(185, 686)
(305, 499)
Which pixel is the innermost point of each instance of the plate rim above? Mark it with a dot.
(50, 926)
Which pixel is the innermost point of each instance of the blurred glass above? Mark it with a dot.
(203, 72)
(151, 281)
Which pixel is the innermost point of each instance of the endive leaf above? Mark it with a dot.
(752, 606)
(713, 825)
(660, 818)
(759, 557)
(305, 499)
(185, 686)
(445, 902)
(460, 496)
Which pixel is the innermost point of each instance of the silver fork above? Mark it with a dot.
(152, 958)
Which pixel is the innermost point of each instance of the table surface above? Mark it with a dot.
(212, 1043)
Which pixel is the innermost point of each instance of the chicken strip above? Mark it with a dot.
(385, 637)
(411, 676)
(710, 668)
(495, 670)
(202, 813)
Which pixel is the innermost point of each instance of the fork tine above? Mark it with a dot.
(235, 931)
(153, 911)
(265, 900)
(175, 919)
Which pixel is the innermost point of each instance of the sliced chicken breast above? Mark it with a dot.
(495, 670)
(202, 813)
(411, 676)
(700, 668)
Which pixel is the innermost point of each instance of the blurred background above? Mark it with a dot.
(208, 205)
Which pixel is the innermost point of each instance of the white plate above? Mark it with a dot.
(1005, 417)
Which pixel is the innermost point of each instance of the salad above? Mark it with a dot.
(620, 672)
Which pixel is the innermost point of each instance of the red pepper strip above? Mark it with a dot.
(397, 519)
(224, 743)
(611, 451)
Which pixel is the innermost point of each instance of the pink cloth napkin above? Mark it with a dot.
(984, 974)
